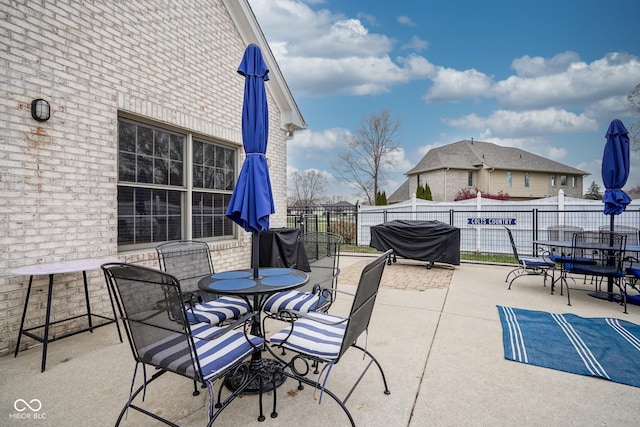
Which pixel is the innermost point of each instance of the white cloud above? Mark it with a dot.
(405, 20)
(337, 55)
(578, 83)
(513, 124)
(416, 43)
(311, 146)
(453, 85)
(527, 66)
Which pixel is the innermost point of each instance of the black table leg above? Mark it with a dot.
(86, 296)
(24, 315)
(46, 324)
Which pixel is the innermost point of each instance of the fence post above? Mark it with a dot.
(414, 206)
(328, 214)
(560, 207)
(478, 228)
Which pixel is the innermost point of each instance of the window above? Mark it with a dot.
(470, 179)
(156, 179)
(419, 180)
(574, 181)
(527, 179)
(508, 178)
(553, 180)
(563, 180)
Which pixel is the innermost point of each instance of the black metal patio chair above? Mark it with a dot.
(189, 261)
(321, 338)
(527, 266)
(201, 352)
(323, 253)
(606, 250)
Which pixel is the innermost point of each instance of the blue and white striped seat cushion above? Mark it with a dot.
(173, 353)
(293, 300)
(217, 311)
(312, 337)
(536, 262)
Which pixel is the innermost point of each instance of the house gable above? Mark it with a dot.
(487, 166)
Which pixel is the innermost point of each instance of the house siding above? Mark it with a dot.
(173, 66)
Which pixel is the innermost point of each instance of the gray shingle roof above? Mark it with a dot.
(472, 155)
(401, 194)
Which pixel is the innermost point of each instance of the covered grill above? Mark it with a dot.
(430, 241)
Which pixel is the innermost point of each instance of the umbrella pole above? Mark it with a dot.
(610, 279)
(255, 253)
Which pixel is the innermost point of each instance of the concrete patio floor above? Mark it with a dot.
(440, 346)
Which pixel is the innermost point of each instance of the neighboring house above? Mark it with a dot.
(492, 169)
(143, 144)
(341, 206)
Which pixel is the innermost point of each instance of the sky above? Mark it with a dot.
(544, 76)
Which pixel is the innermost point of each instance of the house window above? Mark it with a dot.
(419, 180)
(157, 179)
(574, 181)
(563, 180)
(553, 180)
(526, 179)
(470, 179)
(508, 178)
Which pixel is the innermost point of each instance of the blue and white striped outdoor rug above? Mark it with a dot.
(602, 347)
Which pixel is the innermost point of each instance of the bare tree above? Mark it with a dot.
(308, 187)
(370, 149)
(634, 129)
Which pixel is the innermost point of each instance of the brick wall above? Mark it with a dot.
(171, 62)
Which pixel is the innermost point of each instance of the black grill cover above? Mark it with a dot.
(431, 241)
(279, 248)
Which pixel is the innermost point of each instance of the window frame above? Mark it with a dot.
(527, 179)
(509, 178)
(187, 190)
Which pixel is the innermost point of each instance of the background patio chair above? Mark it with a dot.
(631, 280)
(607, 262)
(189, 261)
(323, 253)
(527, 266)
(201, 352)
(632, 233)
(323, 338)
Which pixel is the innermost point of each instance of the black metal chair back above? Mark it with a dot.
(363, 301)
(323, 253)
(188, 261)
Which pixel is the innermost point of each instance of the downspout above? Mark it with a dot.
(489, 180)
(445, 183)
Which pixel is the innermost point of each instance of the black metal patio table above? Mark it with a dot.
(256, 290)
(568, 244)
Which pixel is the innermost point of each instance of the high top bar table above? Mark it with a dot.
(51, 269)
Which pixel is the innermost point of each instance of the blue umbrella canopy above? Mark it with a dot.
(252, 201)
(615, 168)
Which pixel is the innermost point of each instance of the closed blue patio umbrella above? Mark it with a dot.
(615, 171)
(251, 203)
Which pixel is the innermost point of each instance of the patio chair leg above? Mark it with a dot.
(261, 417)
(196, 392)
(274, 413)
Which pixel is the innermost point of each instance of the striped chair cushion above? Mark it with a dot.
(215, 356)
(293, 300)
(217, 311)
(314, 338)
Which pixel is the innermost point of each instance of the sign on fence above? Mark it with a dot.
(491, 221)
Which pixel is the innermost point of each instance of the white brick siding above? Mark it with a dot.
(170, 62)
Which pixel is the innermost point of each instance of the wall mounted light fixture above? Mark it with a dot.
(40, 110)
